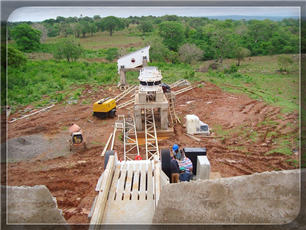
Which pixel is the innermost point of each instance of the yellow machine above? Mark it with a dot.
(105, 107)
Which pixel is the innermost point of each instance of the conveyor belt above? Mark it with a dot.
(131, 198)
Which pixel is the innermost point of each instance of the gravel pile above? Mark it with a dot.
(36, 147)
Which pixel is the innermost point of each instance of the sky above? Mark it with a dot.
(41, 13)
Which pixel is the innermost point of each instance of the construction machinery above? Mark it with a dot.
(132, 62)
(105, 107)
(129, 188)
(150, 96)
(77, 140)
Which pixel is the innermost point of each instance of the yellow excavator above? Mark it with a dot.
(104, 108)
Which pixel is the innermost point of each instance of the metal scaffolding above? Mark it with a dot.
(150, 135)
(131, 148)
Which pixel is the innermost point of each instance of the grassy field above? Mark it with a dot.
(259, 78)
(102, 40)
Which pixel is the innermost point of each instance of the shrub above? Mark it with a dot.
(15, 57)
(27, 38)
(284, 62)
(111, 54)
(232, 69)
(68, 48)
(189, 53)
(240, 53)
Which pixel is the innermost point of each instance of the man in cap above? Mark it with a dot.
(185, 164)
(174, 167)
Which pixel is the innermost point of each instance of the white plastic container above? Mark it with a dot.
(195, 126)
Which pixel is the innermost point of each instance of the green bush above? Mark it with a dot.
(37, 78)
(68, 48)
(232, 69)
(15, 57)
(27, 38)
(111, 54)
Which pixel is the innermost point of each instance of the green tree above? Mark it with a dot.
(15, 57)
(65, 29)
(27, 38)
(68, 48)
(84, 28)
(111, 24)
(240, 53)
(284, 62)
(53, 31)
(189, 53)
(172, 34)
(96, 17)
(77, 29)
(92, 28)
(145, 26)
(158, 51)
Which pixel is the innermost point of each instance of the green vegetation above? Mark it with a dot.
(284, 63)
(111, 24)
(26, 38)
(68, 48)
(15, 57)
(45, 81)
(190, 53)
(145, 26)
(172, 34)
(241, 53)
(259, 78)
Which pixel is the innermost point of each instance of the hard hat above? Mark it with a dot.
(175, 147)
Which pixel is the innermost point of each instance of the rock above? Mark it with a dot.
(32, 205)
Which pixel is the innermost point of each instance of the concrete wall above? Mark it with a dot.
(270, 197)
(32, 205)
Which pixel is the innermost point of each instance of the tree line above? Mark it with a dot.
(173, 38)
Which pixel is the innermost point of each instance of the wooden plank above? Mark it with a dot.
(135, 182)
(193, 137)
(142, 195)
(150, 182)
(114, 136)
(31, 114)
(120, 188)
(157, 178)
(127, 191)
(102, 197)
(112, 192)
(107, 143)
(126, 103)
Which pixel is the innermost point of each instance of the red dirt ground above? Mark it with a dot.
(72, 178)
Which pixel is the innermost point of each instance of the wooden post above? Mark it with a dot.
(157, 175)
(113, 140)
(98, 213)
(107, 143)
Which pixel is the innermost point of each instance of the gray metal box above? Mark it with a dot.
(203, 168)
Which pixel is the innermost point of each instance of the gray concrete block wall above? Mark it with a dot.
(270, 197)
(32, 205)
